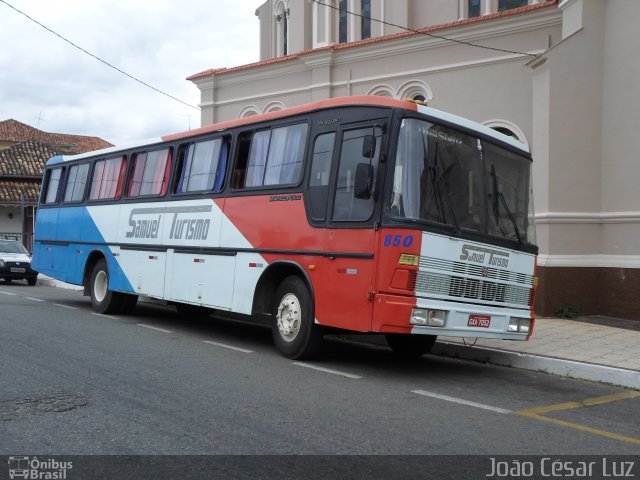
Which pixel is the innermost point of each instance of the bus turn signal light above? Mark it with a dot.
(410, 260)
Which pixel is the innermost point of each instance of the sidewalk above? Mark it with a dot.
(574, 348)
(591, 349)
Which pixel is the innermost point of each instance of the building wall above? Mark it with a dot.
(588, 209)
(575, 105)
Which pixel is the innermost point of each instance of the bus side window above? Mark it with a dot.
(271, 157)
(76, 183)
(106, 182)
(53, 185)
(318, 192)
(242, 156)
(150, 173)
(202, 165)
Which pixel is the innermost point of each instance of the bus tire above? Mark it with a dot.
(295, 333)
(408, 345)
(103, 300)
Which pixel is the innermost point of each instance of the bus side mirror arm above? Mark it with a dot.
(363, 183)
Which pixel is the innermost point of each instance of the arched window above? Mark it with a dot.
(273, 107)
(248, 111)
(282, 29)
(416, 90)
(382, 91)
(509, 129)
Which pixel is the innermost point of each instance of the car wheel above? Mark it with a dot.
(408, 345)
(294, 331)
(31, 281)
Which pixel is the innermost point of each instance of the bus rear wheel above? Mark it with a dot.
(294, 331)
(408, 345)
(103, 300)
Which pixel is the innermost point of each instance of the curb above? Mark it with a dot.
(553, 365)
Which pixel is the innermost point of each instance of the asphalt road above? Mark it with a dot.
(73, 382)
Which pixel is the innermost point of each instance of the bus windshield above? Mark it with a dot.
(449, 177)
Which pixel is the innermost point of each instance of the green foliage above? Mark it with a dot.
(567, 311)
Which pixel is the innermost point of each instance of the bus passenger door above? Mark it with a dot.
(350, 238)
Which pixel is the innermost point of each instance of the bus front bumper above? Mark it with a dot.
(420, 316)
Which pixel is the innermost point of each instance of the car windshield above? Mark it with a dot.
(11, 246)
(449, 177)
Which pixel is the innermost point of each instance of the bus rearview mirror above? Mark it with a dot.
(368, 146)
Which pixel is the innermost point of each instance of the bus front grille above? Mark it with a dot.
(459, 281)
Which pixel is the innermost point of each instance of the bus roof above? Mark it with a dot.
(362, 100)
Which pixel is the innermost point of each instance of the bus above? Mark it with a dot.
(354, 214)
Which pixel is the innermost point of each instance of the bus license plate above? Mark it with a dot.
(482, 321)
(17, 270)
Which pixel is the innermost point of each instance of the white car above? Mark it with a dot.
(15, 262)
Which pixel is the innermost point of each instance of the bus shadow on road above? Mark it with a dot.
(368, 351)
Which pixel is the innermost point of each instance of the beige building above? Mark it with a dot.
(561, 76)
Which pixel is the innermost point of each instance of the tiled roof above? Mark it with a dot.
(22, 164)
(25, 159)
(393, 36)
(14, 131)
(18, 192)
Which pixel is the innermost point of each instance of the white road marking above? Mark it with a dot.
(34, 299)
(328, 370)
(462, 401)
(103, 315)
(65, 306)
(8, 293)
(230, 347)
(153, 328)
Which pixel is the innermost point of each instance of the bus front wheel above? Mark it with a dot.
(294, 331)
(409, 345)
(103, 300)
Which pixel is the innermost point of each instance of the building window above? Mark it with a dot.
(342, 21)
(282, 30)
(474, 8)
(366, 19)
(509, 4)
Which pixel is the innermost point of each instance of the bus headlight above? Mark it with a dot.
(428, 318)
(520, 325)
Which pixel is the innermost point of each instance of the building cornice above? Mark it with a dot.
(522, 15)
(587, 217)
(589, 261)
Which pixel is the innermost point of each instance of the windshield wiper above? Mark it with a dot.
(498, 195)
(440, 199)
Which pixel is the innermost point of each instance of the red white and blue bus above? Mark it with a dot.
(360, 214)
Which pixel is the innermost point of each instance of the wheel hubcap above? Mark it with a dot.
(100, 284)
(289, 317)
